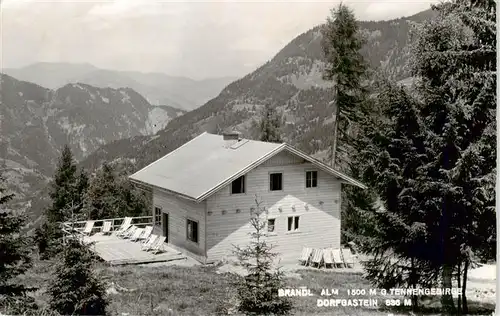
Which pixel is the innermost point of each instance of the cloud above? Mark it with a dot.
(196, 39)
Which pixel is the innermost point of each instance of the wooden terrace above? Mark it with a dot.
(116, 250)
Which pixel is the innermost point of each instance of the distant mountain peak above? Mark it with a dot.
(159, 88)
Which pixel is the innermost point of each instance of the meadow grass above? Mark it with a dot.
(199, 290)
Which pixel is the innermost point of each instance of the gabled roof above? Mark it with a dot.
(207, 163)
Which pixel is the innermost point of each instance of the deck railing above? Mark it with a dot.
(70, 228)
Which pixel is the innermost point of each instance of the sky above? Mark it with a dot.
(196, 39)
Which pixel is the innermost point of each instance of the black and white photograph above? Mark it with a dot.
(225, 157)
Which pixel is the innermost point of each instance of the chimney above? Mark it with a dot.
(232, 135)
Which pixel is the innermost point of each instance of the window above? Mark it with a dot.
(270, 225)
(293, 223)
(192, 231)
(238, 185)
(311, 179)
(157, 215)
(276, 181)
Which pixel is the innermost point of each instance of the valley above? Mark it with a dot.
(37, 122)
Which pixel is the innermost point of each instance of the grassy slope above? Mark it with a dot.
(175, 290)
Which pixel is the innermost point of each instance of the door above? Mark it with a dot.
(165, 226)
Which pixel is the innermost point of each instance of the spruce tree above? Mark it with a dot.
(430, 161)
(258, 290)
(133, 201)
(102, 198)
(82, 185)
(63, 188)
(270, 125)
(111, 194)
(391, 150)
(75, 288)
(67, 192)
(455, 59)
(346, 67)
(15, 254)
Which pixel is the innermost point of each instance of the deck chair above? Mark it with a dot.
(137, 234)
(327, 257)
(125, 230)
(127, 222)
(317, 257)
(305, 256)
(106, 228)
(148, 230)
(158, 246)
(89, 225)
(149, 242)
(337, 258)
(129, 232)
(348, 257)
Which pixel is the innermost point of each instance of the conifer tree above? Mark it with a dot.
(67, 193)
(445, 194)
(101, 200)
(133, 201)
(15, 254)
(347, 69)
(111, 195)
(455, 58)
(82, 185)
(63, 191)
(430, 161)
(258, 290)
(390, 153)
(270, 125)
(75, 289)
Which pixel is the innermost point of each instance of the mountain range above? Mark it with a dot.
(35, 123)
(158, 88)
(291, 82)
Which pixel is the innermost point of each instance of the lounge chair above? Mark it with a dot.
(305, 256)
(149, 243)
(127, 221)
(129, 232)
(125, 230)
(106, 227)
(158, 246)
(148, 230)
(337, 258)
(89, 225)
(137, 234)
(327, 257)
(348, 257)
(317, 257)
